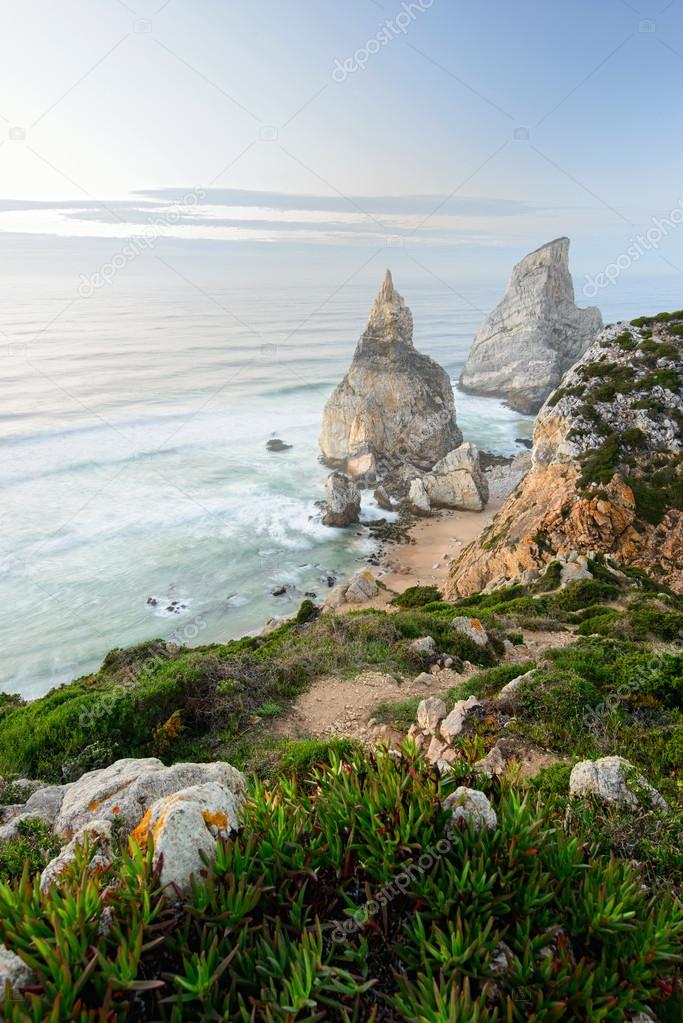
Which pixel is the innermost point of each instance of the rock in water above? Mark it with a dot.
(534, 335)
(395, 404)
(455, 482)
(342, 500)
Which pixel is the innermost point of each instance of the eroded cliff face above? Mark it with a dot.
(607, 466)
(534, 335)
(395, 405)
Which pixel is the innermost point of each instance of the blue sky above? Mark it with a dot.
(464, 132)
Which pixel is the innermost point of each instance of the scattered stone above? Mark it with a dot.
(472, 628)
(452, 726)
(436, 750)
(279, 591)
(615, 781)
(423, 679)
(425, 646)
(15, 971)
(507, 697)
(342, 501)
(275, 444)
(471, 805)
(430, 712)
(362, 587)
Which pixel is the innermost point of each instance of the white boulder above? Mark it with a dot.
(471, 805)
(430, 712)
(98, 837)
(452, 726)
(472, 628)
(615, 781)
(15, 971)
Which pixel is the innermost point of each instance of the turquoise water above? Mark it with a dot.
(139, 499)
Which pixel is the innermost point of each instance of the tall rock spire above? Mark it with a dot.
(395, 405)
(534, 334)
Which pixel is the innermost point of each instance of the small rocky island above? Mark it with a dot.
(395, 405)
(534, 335)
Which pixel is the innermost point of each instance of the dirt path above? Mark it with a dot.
(343, 707)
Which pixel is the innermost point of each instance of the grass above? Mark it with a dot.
(347, 897)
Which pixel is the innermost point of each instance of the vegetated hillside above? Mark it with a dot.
(349, 894)
(607, 469)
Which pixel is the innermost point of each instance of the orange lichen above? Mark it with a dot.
(215, 819)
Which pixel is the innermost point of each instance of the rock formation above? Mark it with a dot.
(342, 500)
(395, 405)
(456, 481)
(607, 466)
(534, 335)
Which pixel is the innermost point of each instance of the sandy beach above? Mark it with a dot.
(439, 539)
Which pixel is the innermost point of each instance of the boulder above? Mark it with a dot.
(362, 587)
(613, 780)
(423, 679)
(122, 792)
(470, 805)
(472, 628)
(98, 836)
(425, 646)
(507, 697)
(185, 825)
(534, 335)
(430, 712)
(342, 501)
(453, 724)
(456, 481)
(394, 405)
(14, 971)
(275, 444)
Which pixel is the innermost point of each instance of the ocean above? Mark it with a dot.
(138, 497)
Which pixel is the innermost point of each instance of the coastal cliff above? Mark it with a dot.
(607, 465)
(534, 335)
(395, 405)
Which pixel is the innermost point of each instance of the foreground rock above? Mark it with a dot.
(606, 468)
(122, 792)
(362, 587)
(534, 335)
(394, 405)
(97, 838)
(185, 828)
(15, 972)
(342, 501)
(614, 780)
(471, 806)
(456, 481)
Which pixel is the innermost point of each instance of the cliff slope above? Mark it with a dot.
(607, 465)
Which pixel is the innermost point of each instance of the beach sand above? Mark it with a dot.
(439, 540)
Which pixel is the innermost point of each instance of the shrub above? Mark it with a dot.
(417, 596)
(30, 851)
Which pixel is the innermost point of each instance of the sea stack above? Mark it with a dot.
(395, 405)
(534, 335)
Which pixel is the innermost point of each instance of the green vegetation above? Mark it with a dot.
(347, 896)
(417, 596)
(30, 851)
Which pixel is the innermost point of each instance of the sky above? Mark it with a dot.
(460, 135)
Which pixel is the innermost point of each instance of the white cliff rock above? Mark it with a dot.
(456, 481)
(342, 500)
(394, 405)
(534, 335)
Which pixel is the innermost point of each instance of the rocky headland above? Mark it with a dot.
(534, 335)
(607, 466)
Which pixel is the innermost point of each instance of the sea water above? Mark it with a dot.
(138, 497)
